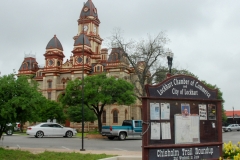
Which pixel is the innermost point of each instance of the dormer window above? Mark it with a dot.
(98, 68)
(24, 66)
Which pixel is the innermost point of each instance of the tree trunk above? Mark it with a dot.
(21, 126)
(1, 131)
(99, 123)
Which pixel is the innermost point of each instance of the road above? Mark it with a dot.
(71, 143)
(231, 136)
(75, 143)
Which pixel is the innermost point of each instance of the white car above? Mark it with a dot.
(50, 129)
(231, 127)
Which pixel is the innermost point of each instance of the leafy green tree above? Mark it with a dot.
(52, 110)
(75, 114)
(20, 100)
(99, 90)
(219, 96)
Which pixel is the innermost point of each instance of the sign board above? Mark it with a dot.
(186, 153)
(181, 86)
(181, 120)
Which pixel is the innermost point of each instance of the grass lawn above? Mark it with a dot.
(7, 154)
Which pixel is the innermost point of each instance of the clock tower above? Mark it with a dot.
(88, 24)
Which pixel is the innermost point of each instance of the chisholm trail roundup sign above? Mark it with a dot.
(207, 152)
(181, 86)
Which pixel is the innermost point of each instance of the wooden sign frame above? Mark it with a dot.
(200, 101)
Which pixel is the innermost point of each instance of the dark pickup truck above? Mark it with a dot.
(129, 129)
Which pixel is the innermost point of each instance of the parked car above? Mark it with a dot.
(17, 126)
(129, 128)
(50, 129)
(231, 127)
(11, 127)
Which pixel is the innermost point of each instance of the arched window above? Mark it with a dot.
(115, 116)
(49, 83)
(126, 114)
(87, 60)
(49, 95)
(104, 116)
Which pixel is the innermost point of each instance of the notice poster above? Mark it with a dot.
(166, 130)
(155, 131)
(202, 111)
(211, 112)
(185, 109)
(186, 129)
(165, 111)
(154, 111)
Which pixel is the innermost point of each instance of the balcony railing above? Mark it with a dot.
(61, 86)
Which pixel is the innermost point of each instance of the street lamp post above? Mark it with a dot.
(82, 149)
(83, 97)
(170, 59)
(233, 114)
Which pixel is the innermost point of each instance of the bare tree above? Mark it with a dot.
(144, 56)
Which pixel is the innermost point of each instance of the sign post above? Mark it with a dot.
(182, 120)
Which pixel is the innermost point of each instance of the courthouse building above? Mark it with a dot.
(57, 70)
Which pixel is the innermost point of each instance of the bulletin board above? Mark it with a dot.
(181, 115)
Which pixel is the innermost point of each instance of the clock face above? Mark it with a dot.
(85, 9)
(50, 62)
(85, 28)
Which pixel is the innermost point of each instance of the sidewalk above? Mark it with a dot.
(119, 153)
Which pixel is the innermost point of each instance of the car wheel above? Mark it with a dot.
(229, 130)
(122, 136)
(39, 134)
(111, 138)
(69, 134)
(9, 132)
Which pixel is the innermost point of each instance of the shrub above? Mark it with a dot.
(231, 151)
